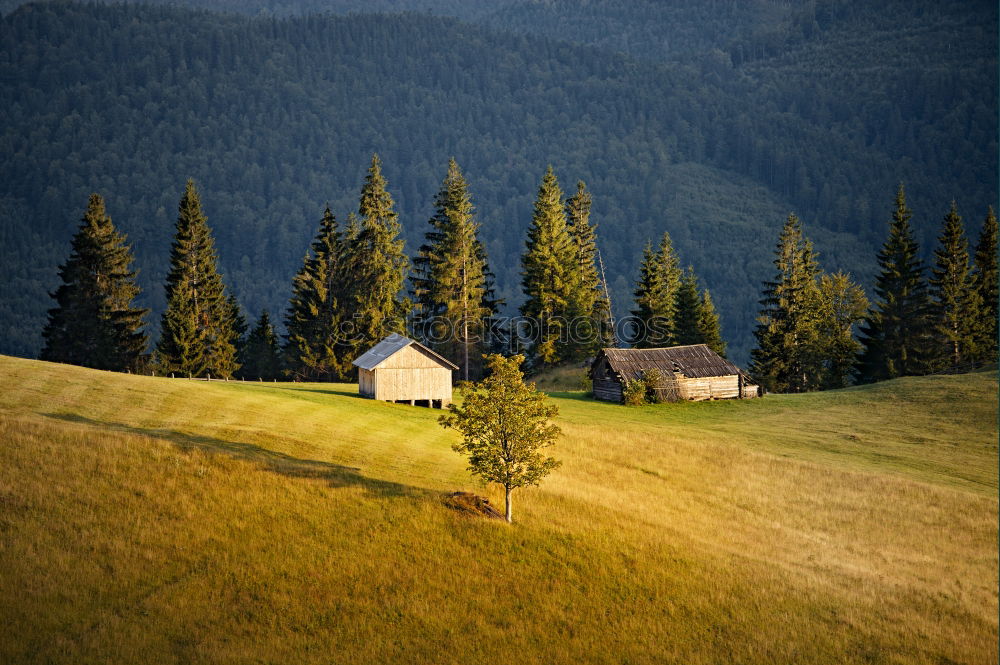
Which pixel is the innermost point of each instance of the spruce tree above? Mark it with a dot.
(955, 300)
(196, 337)
(841, 305)
(377, 265)
(896, 331)
(261, 357)
(687, 317)
(94, 323)
(237, 325)
(589, 309)
(709, 327)
(313, 343)
(695, 318)
(656, 296)
(452, 283)
(548, 273)
(985, 263)
(785, 358)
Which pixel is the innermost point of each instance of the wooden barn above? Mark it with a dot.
(688, 373)
(399, 369)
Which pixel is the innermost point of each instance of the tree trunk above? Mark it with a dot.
(465, 311)
(508, 511)
(465, 337)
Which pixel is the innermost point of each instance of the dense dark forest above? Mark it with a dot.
(714, 133)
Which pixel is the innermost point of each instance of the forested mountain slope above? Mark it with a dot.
(275, 118)
(465, 9)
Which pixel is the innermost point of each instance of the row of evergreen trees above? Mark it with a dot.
(669, 309)
(564, 295)
(918, 325)
(347, 295)
(946, 321)
(95, 323)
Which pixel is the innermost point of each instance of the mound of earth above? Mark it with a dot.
(472, 504)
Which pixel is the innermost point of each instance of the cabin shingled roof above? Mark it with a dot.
(694, 361)
(391, 345)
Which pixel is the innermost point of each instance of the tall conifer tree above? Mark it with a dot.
(895, 335)
(955, 300)
(261, 358)
(237, 325)
(377, 264)
(687, 317)
(549, 273)
(94, 323)
(986, 283)
(313, 342)
(841, 304)
(452, 283)
(589, 309)
(196, 337)
(784, 359)
(656, 296)
(709, 327)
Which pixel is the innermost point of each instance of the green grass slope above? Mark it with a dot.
(155, 520)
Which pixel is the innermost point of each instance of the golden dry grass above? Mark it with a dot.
(150, 520)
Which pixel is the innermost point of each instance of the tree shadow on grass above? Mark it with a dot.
(575, 395)
(335, 475)
(334, 389)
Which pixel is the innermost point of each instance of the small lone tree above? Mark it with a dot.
(504, 424)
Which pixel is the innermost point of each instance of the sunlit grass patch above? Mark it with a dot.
(150, 520)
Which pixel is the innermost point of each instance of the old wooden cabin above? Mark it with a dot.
(687, 373)
(399, 369)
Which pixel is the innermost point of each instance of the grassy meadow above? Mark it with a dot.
(159, 521)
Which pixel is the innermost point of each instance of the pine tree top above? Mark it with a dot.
(548, 264)
(376, 205)
(549, 202)
(899, 256)
(953, 246)
(986, 248)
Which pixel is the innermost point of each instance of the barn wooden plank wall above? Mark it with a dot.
(412, 383)
(409, 358)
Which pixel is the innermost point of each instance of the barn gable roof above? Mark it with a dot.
(393, 344)
(695, 361)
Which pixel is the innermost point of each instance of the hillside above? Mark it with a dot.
(274, 118)
(170, 520)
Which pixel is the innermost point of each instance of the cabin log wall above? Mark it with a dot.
(609, 390)
(710, 387)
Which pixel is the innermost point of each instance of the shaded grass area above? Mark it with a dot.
(149, 520)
